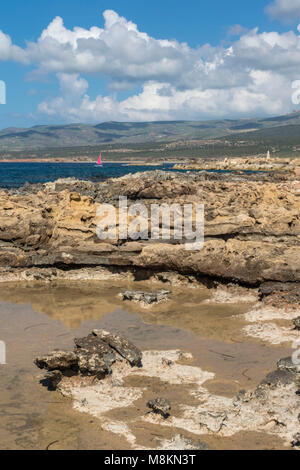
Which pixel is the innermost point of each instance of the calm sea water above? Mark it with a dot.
(14, 175)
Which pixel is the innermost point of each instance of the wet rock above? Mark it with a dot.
(296, 322)
(57, 360)
(274, 379)
(53, 379)
(160, 406)
(95, 357)
(288, 291)
(296, 440)
(147, 298)
(125, 348)
(288, 364)
(92, 364)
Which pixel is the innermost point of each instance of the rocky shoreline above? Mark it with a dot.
(251, 254)
(96, 373)
(290, 167)
(252, 228)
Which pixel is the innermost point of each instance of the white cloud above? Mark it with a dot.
(10, 52)
(284, 10)
(253, 76)
(237, 30)
(161, 101)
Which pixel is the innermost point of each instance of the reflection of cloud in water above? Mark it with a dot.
(76, 303)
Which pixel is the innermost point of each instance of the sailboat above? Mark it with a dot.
(99, 162)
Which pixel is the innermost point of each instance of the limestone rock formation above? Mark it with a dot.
(252, 228)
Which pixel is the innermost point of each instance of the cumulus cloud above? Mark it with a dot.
(285, 10)
(10, 52)
(252, 76)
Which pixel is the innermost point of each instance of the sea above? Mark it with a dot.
(16, 174)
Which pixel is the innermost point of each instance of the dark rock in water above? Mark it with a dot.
(296, 322)
(124, 347)
(275, 379)
(57, 360)
(160, 406)
(92, 364)
(146, 297)
(288, 364)
(93, 356)
(53, 378)
(296, 440)
(94, 353)
(289, 291)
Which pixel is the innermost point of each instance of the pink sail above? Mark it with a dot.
(99, 160)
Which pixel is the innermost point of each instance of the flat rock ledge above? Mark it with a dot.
(92, 356)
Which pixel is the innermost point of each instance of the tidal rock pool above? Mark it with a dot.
(198, 353)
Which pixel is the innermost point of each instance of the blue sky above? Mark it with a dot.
(214, 63)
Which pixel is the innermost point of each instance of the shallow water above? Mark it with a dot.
(35, 319)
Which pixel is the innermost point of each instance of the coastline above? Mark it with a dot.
(210, 346)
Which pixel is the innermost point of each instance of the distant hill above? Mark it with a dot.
(123, 133)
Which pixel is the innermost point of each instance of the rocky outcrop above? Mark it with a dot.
(93, 356)
(289, 166)
(252, 227)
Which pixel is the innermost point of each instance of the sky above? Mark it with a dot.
(92, 61)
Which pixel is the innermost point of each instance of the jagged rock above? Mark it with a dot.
(296, 322)
(95, 357)
(92, 364)
(124, 347)
(288, 364)
(275, 379)
(57, 360)
(53, 378)
(296, 440)
(145, 297)
(160, 406)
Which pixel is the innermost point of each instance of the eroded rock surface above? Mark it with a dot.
(273, 407)
(252, 228)
(57, 360)
(124, 347)
(93, 356)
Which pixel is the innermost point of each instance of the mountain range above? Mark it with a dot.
(124, 133)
